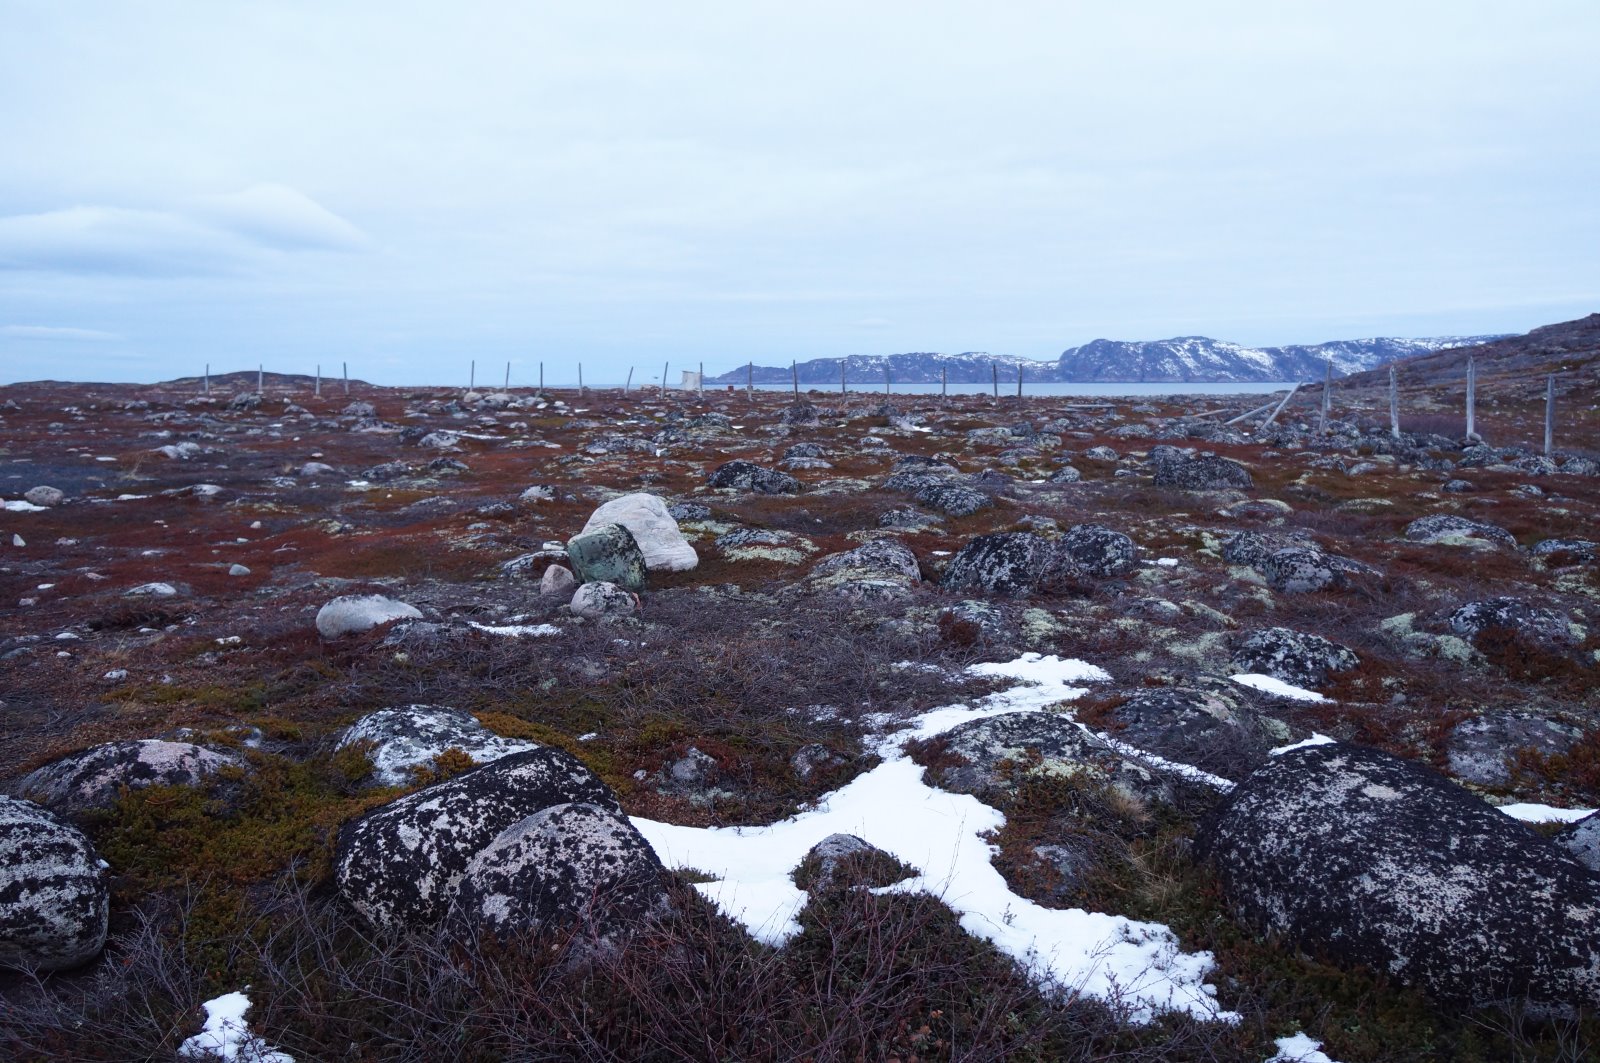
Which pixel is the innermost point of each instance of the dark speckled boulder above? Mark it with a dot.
(95, 777)
(1296, 657)
(54, 895)
(1370, 860)
(400, 866)
(1003, 563)
(563, 865)
(1098, 550)
(1203, 474)
(741, 475)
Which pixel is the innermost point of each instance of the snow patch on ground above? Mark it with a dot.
(1299, 1049)
(20, 506)
(1532, 813)
(1314, 740)
(939, 834)
(227, 1036)
(516, 630)
(1272, 685)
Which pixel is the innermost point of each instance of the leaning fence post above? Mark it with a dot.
(1394, 405)
(1549, 413)
(1472, 399)
(664, 367)
(628, 382)
(1273, 416)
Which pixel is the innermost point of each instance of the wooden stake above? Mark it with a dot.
(664, 367)
(1246, 416)
(541, 378)
(794, 371)
(208, 378)
(1472, 399)
(507, 385)
(841, 376)
(1394, 405)
(472, 374)
(628, 382)
(750, 381)
(994, 371)
(944, 382)
(1549, 414)
(1327, 385)
(260, 380)
(318, 390)
(346, 371)
(700, 381)
(886, 380)
(580, 378)
(1019, 383)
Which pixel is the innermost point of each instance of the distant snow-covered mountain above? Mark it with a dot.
(1200, 359)
(1183, 359)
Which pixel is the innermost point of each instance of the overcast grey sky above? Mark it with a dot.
(408, 186)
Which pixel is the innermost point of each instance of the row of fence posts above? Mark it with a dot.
(1394, 405)
(1276, 406)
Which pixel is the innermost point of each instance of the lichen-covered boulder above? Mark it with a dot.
(997, 751)
(1098, 550)
(603, 601)
(353, 614)
(1483, 749)
(952, 499)
(1066, 475)
(1002, 563)
(607, 554)
(399, 866)
(1296, 657)
(54, 893)
(1209, 729)
(401, 741)
(879, 570)
(1535, 623)
(842, 861)
(743, 475)
(563, 865)
(96, 777)
(1369, 860)
(1567, 551)
(653, 528)
(1203, 474)
(557, 580)
(45, 496)
(1301, 570)
(1447, 529)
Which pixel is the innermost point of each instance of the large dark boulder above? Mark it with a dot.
(564, 865)
(1097, 550)
(743, 475)
(995, 752)
(400, 865)
(1296, 657)
(1002, 563)
(400, 741)
(96, 777)
(54, 891)
(1369, 860)
(1203, 474)
(1484, 749)
(1540, 626)
(1208, 729)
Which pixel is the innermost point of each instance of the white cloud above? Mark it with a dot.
(280, 216)
(53, 333)
(218, 234)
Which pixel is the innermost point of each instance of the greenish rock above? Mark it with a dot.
(608, 554)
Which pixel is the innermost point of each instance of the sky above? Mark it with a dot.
(411, 187)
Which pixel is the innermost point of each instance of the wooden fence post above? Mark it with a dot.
(317, 391)
(628, 382)
(1273, 416)
(1472, 399)
(841, 376)
(994, 371)
(1394, 405)
(507, 385)
(1549, 414)
(208, 378)
(346, 370)
(664, 367)
(1019, 382)
(794, 371)
(1327, 398)
(260, 380)
(944, 382)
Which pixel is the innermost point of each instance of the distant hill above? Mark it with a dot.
(1192, 359)
(1549, 348)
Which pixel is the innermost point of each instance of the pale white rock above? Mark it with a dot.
(238, 570)
(557, 579)
(355, 613)
(45, 496)
(653, 528)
